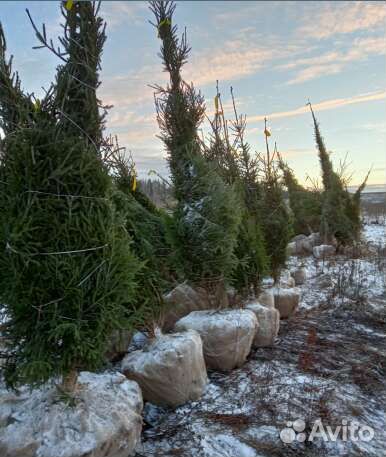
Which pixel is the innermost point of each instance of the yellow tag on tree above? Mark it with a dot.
(267, 132)
(134, 184)
(69, 4)
(216, 103)
(166, 21)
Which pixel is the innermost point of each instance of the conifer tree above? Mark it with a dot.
(67, 273)
(305, 204)
(78, 78)
(353, 208)
(15, 106)
(340, 215)
(231, 152)
(206, 218)
(276, 219)
(146, 225)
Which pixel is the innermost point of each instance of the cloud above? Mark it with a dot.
(322, 106)
(131, 92)
(334, 62)
(117, 13)
(379, 127)
(293, 153)
(337, 19)
(315, 71)
(237, 58)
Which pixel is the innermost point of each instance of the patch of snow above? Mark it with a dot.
(106, 413)
(375, 234)
(225, 446)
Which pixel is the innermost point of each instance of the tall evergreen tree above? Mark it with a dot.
(78, 78)
(15, 106)
(146, 225)
(305, 204)
(206, 218)
(340, 215)
(276, 219)
(231, 153)
(67, 273)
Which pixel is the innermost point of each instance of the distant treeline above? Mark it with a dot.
(159, 192)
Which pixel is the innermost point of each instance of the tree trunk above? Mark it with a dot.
(69, 381)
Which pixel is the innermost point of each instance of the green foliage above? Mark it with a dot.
(205, 222)
(252, 261)
(276, 219)
(204, 227)
(146, 225)
(15, 107)
(277, 225)
(306, 205)
(251, 250)
(67, 273)
(340, 215)
(180, 107)
(77, 79)
(353, 208)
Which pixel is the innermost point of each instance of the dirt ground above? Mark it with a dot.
(328, 363)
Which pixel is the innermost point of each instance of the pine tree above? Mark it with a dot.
(305, 204)
(67, 273)
(206, 219)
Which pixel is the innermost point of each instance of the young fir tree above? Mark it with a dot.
(206, 217)
(340, 215)
(146, 225)
(353, 208)
(67, 273)
(276, 219)
(305, 204)
(229, 150)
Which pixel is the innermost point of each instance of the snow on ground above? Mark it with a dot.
(329, 362)
(39, 423)
(375, 234)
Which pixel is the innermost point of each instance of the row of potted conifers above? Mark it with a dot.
(105, 420)
(172, 368)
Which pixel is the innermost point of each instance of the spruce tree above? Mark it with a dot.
(340, 215)
(146, 225)
(67, 273)
(15, 106)
(305, 204)
(206, 218)
(79, 109)
(353, 208)
(231, 152)
(276, 219)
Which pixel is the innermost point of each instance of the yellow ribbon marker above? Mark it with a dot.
(216, 103)
(267, 132)
(134, 184)
(165, 21)
(37, 105)
(69, 4)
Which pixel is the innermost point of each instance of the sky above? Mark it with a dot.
(275, 55)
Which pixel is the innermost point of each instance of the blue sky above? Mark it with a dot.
(276, 55)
